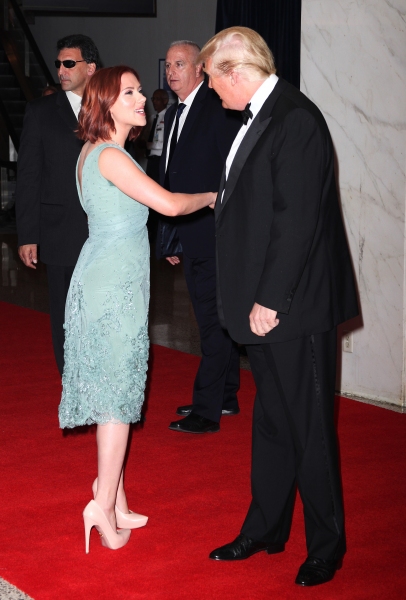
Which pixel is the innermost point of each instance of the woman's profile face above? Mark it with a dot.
(129, 108)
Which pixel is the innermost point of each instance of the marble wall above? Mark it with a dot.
(353, 61)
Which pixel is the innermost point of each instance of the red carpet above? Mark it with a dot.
(195, 490)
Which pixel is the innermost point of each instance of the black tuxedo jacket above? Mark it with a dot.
(280, 235)
(47, 203)
(197, 164)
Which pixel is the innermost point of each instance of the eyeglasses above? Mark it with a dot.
(68, 64)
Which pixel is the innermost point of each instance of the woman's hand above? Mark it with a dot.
(214, 196)
(173, 260)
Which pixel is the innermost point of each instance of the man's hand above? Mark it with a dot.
(28, 254)
(262, 319)
(174, 260)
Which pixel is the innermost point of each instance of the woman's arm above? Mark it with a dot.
(118, 168)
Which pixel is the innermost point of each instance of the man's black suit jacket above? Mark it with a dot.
(280, 236)
(47, 203)
(197, 164)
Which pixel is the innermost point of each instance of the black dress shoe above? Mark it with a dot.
(195, 424)
(184, 411)
(315, 571)
(243, 547)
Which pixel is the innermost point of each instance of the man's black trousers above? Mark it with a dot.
(58, 284)
(218, 377)
(294, 444)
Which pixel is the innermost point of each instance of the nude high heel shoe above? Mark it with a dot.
(130, 520)
(93, 516)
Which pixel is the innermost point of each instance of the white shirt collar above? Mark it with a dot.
(261, 95)
(189, 99)
(160, 115)
(75, 102)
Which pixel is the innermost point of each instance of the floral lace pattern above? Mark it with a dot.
(95, 390)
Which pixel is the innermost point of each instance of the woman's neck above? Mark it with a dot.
(120, 135)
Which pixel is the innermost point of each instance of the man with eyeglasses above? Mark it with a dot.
(50, 220)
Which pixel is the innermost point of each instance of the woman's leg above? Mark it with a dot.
(111, 447)
(121, 501)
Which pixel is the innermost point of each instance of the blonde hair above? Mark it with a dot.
(239, 48)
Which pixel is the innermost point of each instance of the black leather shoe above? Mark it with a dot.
(184, 411)
(195, 424)
(315, 571)
(243, 547)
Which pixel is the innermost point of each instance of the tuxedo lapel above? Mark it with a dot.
(254, 133)
(65, 110)
(251, 138)
(191, 117)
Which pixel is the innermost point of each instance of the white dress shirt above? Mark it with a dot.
(188, 103)
(75, 102)
(257, 102)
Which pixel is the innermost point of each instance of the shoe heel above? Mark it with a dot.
(88, 522)
(93, 516)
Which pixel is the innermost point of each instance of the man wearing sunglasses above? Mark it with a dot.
(50, 220)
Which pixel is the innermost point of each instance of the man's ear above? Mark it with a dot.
(199, 70)
(91, 68)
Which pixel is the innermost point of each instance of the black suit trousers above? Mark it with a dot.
(295, 445)
(218, 377)
(58, 284)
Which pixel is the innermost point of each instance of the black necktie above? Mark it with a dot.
(246, 113)
(152, 133)
(174, 141)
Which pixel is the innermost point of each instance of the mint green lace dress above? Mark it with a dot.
(106, 315)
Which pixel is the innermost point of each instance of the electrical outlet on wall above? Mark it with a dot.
(348, 341)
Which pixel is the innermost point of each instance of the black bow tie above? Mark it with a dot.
(246, 114)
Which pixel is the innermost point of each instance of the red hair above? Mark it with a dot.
(101, 92)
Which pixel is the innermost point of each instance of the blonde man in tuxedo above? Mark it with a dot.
(285, 282)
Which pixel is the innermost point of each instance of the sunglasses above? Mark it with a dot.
(68, 64)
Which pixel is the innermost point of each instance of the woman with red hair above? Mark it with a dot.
(106, 317)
